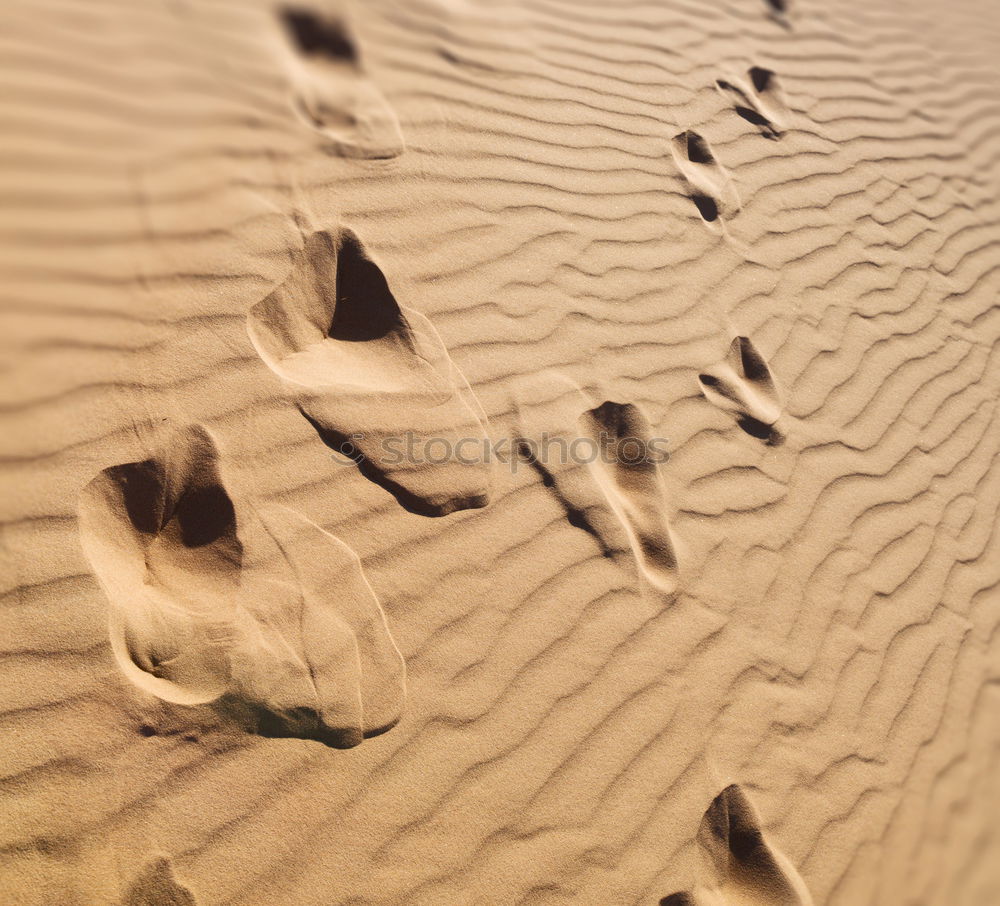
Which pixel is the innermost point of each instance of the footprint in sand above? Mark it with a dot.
(779, 10)
(373, 377)
(156, 885)
(743, 385)
(747, 869)
(627, 471)
(332, 92)
(760, 101)
(261, 615)
(709, 186)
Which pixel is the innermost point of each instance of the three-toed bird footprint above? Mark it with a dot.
(709, 185)
(373, 378)
(742, 385)
(759, 100)
(332, 91)
(745, 868)
(261, 615)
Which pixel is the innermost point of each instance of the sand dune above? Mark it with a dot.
(238, 666)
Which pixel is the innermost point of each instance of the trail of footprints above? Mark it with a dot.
(759, 99)
(260, 620)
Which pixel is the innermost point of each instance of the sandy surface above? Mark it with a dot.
(243, 244)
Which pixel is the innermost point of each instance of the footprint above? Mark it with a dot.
(760, 101)
(374, 378)
(747, 870)
(779, 10)
(710, 187)
(576, 515)
(627, 472)
(156, 885)
(262, 615)
(743, 385)
(332, 92)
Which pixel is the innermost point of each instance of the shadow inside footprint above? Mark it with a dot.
(627, 470)
(156, 885)
(743, 386)
(373, 378)
(749, 869)
(709, 186)
(333, 93)
(576, 516)
(759, 102)
(746, 870)
(266, 618)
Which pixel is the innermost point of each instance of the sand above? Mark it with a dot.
(249, 655)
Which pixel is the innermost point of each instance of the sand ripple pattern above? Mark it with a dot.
(834, 640)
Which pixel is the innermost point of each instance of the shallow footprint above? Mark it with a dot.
(709, 186)
(313, 608)
(373, 377)
(759, 101)
(743, 386)
(265, 618)
(747, 870)
(628, 473)
(156, 885)
(333, 93)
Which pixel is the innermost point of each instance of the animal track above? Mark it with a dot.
(365, 371)
(743, 385)
(760, 102)
(747, 870)
(333, 93)
(710, 187)
(156, 885)
(630, 479)
(266, 618)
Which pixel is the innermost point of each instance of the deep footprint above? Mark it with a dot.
(709, 186)
(747, 870)
(368, 374)
(333, 94)
(628, 474)
(758, 102)
(744, 386)
(156, 885)
(264, 618)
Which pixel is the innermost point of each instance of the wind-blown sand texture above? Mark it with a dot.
(580, 207)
